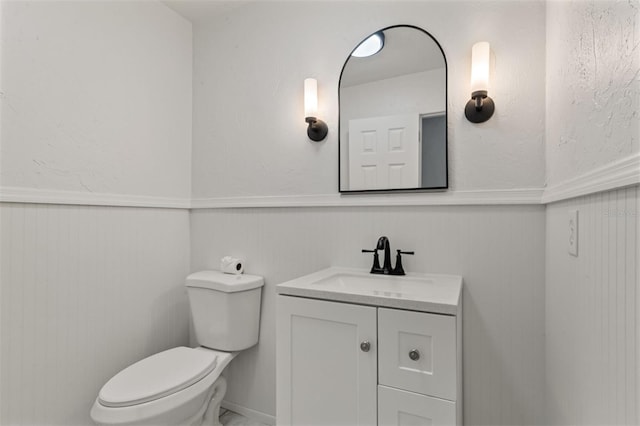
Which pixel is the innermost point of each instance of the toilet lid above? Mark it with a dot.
(157, 376)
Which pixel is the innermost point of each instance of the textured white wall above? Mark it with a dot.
(249, 66)
(85, 291)
(593, 85)
(96, 98)
(593, 311)
(592, 97)
(499, 250)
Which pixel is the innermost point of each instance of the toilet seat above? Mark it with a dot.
(178, 404)
(157, 376)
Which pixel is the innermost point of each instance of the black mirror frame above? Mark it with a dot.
(446, 117)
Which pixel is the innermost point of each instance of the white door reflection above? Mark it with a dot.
(385, 152)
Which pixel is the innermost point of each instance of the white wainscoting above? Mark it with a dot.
(499, 250)
(593, 311)
(85, 291)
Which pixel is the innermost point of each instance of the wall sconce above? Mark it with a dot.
(480, 108)
(317, 129)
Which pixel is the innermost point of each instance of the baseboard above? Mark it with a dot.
(48, 196)
(618, 174)
(249, 413)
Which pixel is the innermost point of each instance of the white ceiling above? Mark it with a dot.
(202, 10)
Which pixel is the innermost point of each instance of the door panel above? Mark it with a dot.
(384, 152)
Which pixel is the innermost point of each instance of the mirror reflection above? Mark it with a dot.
(393, 113)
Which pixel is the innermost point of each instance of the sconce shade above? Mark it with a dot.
(480, 67)
(481, 107)
(310, 97)
(317, 129)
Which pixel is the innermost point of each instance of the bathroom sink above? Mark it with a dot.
(419, 292)
(371, 283)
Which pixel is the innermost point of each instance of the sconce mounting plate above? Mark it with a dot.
(317, 129)
(482, 114)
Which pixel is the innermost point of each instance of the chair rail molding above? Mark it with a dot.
(617, 174)
(474, 197)
(50, 196)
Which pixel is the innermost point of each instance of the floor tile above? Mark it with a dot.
(229, 418)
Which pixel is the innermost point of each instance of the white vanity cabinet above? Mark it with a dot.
(350, 364)
(353, 348)
(326, 373)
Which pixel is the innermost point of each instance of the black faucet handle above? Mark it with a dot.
(375, 268)
(399, 270)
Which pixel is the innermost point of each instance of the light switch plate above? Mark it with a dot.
(573, 232)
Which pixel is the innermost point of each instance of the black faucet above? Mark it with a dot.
(383, 244)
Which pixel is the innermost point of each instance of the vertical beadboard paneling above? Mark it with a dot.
(85, 291)
(499, 250)
(592, 311)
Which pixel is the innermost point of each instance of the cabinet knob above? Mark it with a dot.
(414, 354)
(365, 346)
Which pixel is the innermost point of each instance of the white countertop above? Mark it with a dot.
(417, 292)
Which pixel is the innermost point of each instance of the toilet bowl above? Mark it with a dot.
(184, 386)
(145, 394)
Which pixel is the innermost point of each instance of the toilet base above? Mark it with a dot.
(209, 414)
(212, 414)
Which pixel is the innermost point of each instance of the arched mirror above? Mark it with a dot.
(393, 113)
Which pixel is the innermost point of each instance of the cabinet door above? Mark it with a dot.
(401, 408)
(323, 375)
(417, 352)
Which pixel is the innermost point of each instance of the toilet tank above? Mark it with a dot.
(225, 309)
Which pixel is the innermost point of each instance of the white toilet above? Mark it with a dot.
(183, 386)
